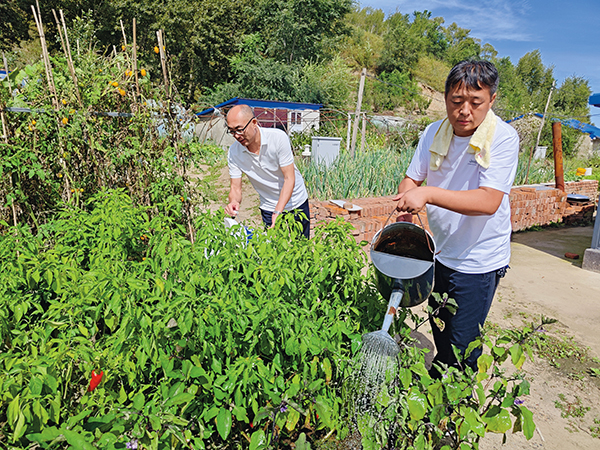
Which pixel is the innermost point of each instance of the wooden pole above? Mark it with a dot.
(537, 141)
(559, 176)
(361, 89)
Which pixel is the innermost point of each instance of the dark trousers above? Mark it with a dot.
(267, 217)
(474, 294)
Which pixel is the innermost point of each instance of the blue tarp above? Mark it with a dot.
(593, 131)
(595, 100)
(262, 104)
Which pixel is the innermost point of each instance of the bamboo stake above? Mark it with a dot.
(45, 56)
(62, 41)
(163, 62)
(134, 56)
(78, 50)
(123, 31)
(67, 51)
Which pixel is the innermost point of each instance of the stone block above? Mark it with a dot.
(591, 259)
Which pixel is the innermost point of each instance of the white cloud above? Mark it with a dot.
(487, 19)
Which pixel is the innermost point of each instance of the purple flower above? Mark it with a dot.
(283, 408)
(518, 401)
(133, 444)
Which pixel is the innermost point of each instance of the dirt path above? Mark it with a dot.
(542, 281)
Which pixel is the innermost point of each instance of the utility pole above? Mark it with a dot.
(361, 89)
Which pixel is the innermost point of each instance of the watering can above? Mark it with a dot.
(403, 254)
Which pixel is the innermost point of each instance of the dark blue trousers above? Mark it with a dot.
(267, 217)
(474, 294)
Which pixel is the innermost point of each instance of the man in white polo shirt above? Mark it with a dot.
(265, 156)
(469, 161)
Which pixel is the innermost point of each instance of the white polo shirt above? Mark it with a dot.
(470, 244)
(264, 169)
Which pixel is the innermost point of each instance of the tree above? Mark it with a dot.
(431, 32)
(401, 47)
(14, 26)
(461, 45)
(571, 99)
(301, 30)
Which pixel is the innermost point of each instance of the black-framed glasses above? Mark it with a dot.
(238, 130)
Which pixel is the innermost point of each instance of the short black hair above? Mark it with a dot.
(473, 74)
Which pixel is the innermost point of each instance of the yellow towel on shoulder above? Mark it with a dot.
(480, 143)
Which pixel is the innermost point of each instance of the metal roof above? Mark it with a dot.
(262, 104)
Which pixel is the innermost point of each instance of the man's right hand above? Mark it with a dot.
(232, 209)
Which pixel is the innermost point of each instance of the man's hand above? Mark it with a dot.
(232, 209)
(412, 201)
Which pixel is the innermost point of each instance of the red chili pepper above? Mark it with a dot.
(251, 425)
(95, 381)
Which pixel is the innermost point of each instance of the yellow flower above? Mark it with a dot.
(33, 122)
(65, 120)
(64, 102)
(122, 92)
(115, 84)
(60, 175)
(128, 73)
(143, 72)
(72, 111)
(181, 198)
(156, 50)
(123, 47)
(30, 128)
(72, 190)
(81, 190)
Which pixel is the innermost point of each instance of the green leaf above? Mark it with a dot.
(417, 405)
(293, 417)
(13, 410)
(258, 440)
(183, 397)
(138, 401)
(527, 422)
(497, 420)
(224, 423)
(20, 427)
(76, 440)
(517, 356)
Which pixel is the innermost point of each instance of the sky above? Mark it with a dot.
(567, 34)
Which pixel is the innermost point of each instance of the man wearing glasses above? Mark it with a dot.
(265, 156)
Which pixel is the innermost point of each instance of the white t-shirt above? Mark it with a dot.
(264, 169)
(470, 244)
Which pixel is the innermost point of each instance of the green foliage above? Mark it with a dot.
(570, 408)
(14, 26)
(394, 90)
(402, 48)
(432, 72)
(301, 30)
(203, 343)
(66, 150)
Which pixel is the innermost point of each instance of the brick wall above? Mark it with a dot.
(530, 205)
